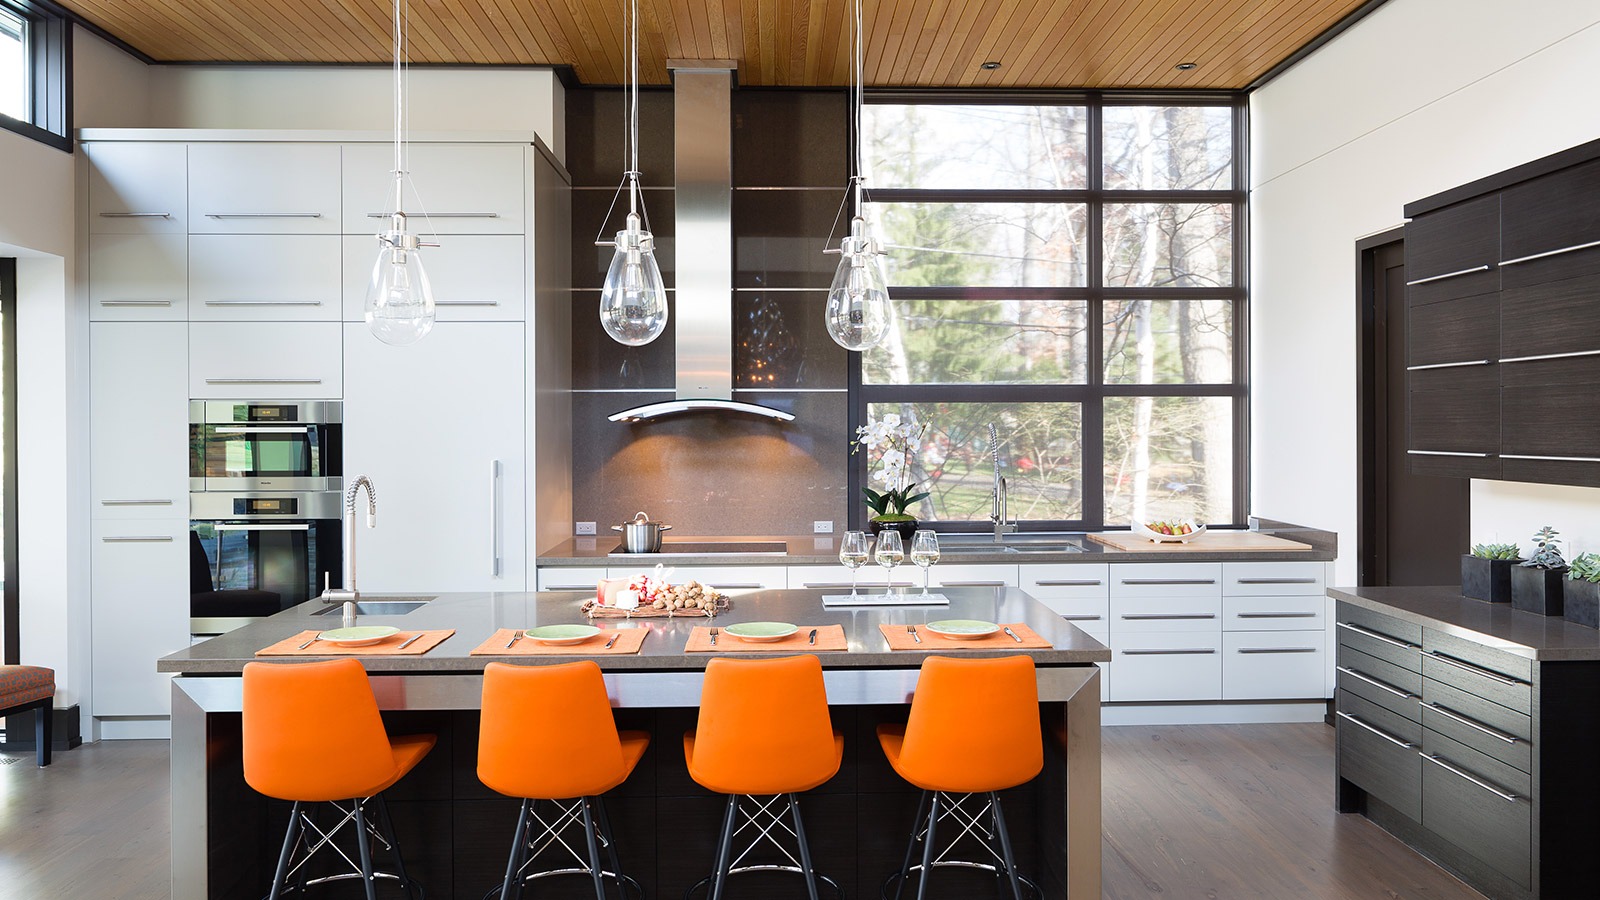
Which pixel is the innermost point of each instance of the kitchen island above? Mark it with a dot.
(456, 832)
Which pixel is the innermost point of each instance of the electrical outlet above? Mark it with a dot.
(585, 528)
(822, 528)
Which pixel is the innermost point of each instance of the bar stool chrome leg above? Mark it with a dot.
(586, 813)
(937, 806)
(765, 820)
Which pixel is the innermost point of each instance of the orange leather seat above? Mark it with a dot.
(763, 728)
(974, 726)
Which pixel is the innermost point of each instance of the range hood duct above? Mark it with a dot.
(703, 145)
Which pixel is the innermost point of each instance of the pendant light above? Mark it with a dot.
(858, 313)
(633, 300)
(399, 307)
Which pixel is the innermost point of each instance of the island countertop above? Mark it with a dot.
(477, 616)
(1442, 607)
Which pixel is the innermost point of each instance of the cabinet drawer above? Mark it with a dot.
(1465, 803)
(723, 578)
(1454, 331)
(265, 360)
(1508, 692)
(1065, 581)
(1273, 665)
(264, 188)
(1407, 729)
(972, 576)
(1455, 421)
(1552, 212)
(1385, 765)
(1491, 741)
(1494, 665)
(465, 188)
(1273, 578)
(1084, 612)
(1293, 613)
(475, 278)
(1166, 614)
(1569, 257)
(1165, 666)
(1455, 239)
(137, 188)
(837, 578)
(1376, 634)
(264, 277)
(138, 277)
(576, 580)
(1376, 681)
(1570, 302)
(1166, 580)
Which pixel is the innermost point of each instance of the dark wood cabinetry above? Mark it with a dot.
(1503, 305)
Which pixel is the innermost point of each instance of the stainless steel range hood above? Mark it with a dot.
(703, 144)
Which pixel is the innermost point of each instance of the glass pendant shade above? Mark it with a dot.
(399, 307)
(858, 310)
(633, 301)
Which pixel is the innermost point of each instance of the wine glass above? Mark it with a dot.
(853, 553)
(925, 552)
(889, 553)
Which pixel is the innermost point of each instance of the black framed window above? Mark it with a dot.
(10, 606)
(35, 71)
(1069, 268)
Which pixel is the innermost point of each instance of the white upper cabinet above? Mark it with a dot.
(475, 277)
(265, 188)
(137, 188)
(463, 188)
(142, 277)
(138, 420)
(265, 361)
(264, 277)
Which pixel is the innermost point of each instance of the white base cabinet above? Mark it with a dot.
(139, 420)
(139, 578)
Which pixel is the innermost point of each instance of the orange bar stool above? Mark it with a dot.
(763, 732)
(973, 731)
(312, 734)
(548, 734)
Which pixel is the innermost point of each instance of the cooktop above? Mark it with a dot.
(706, 548)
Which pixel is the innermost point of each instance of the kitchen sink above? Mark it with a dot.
(977, 549)
(388, 606)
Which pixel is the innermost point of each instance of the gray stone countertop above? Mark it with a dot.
(1525, 634)
(476, 616)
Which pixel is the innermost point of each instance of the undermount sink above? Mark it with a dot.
(384, 607)
(980, 544)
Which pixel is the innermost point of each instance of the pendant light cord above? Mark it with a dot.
(633, 107)
(399, 111)
(856, 123)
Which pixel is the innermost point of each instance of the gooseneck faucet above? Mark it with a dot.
(997, 512)
(348, 593)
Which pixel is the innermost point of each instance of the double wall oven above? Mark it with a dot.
(264, 507)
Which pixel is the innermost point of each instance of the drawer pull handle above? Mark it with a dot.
(263, 381)
(1448, 453)
(569, 587)
(1082, 618)
(1163, 617)
(135, 502)
(1496, 677)
(138, 539)
(265, 215)
(1277, 649)
(1543, 356)
(733, 587)
(1071, 583)
(1533, 256)
(1396, 642)
(1278, 580)
(442, 215)
(1382, 686)
(973, 584)
(1552, 458)
(1169, 581)
(840, 585)
(149, 303)
(135, 215)
(466, 303)
(1503, 795)
(1378, 731)
(1482, 268)
(1196, 651)
(1278, 615)
(1473, 724)
(1450, 365)
(263, 302)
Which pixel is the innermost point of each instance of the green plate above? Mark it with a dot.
(761, 632)
(561, 635)
(962, 629)
(359, 636)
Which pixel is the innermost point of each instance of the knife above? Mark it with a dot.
(413, 639)
(610, 642)
(813, 638)
(1013, 634)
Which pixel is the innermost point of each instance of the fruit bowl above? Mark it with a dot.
(1151, 531)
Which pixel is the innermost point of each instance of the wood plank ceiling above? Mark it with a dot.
(1039, 43)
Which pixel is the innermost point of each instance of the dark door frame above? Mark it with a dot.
(1371, 430)
(11, 652)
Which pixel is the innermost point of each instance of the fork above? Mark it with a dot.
(713, 637)
(913, 630)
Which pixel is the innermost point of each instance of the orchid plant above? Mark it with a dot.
(894, 442)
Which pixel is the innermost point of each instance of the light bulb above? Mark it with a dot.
(858, 311)
(633, 302)
(399, 307)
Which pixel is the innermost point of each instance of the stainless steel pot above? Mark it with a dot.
(641, 535)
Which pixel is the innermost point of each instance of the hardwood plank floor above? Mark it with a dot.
(1203, 811)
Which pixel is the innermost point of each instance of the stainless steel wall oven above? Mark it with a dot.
(254, 553)
(256, 445)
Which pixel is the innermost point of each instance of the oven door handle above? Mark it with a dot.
(276, 526)
(262, 429)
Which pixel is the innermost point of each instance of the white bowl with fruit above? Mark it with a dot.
(1168, 531)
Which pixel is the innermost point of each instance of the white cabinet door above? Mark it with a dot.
(265, 361)
(264, 188)
(139, 583)
(475, 277)
(968, 575)
(137, 188)
(463, 188)
(1163, 666)
(1078, 592)
(836, 578)
(138, 420)
(582, 580)
(1166, 580)
(1290, 613)
(138, 277)
(1273, 578)
(1272, 665)
(438, 427)
(264, 277)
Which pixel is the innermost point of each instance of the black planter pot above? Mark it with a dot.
(1581, 605)
(1537, 590)
(907, 529)
(1486, 579)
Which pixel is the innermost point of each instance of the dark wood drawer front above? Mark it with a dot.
(1486, 739)
(1472, 283)
(1501, 662)
(1454, 331)
(1456, 421)
(1396, 651)
(1458, 237)
(1465, 803)
(1405, 728)
(1544, 424)
(1509, 721)
(1531, 376)
(1576, 263)
(1569, 309)
(1389, 626)
(1381, 682)
(1380, 764)
(1543, 471)
(1552, 212)
(1481, 682)
(1476, 379)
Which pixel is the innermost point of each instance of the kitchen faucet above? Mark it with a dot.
(348, 593)
(997, 512)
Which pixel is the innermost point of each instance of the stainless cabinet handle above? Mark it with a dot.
(466, 303)
(1082, 618)
(1377, 636)
(265, 215)
(1382, 686)
(1277, 581)
(569, 587)
(442, 215)
(1434, 758)
(1474, 724)
(1277, 649)
(972, 584)
(1377, 731)
(262, 429)
(1552, 458)
(135, 502)
(494, 518)
(839, 585)
(1575, 353)
(1162, 617)
(1169, 581)
(1449, 365)
(1533, 256)
(135, 215)
(1277, 615)
(263, 381)
(263, 302)
(138, 539)
(736, 587)
(286, 526)
(1496, 677)
(135, 302)
(1448, 453)
(1483, 268)
(1094, 582)
(1195, 651)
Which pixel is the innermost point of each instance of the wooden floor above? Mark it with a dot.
(1201, 811)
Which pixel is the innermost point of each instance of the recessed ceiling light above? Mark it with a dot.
(991, 65)
(1186, 66)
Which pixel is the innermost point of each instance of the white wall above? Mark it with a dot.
(1420, 96)
(110, 88)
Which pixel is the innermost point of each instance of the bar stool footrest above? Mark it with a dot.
(962, 864)
(838, 892)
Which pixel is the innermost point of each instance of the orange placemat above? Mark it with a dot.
(829, 637)
(629, 640)
(900, 639)
(390, 646)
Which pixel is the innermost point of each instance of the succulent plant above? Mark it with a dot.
(1585, 567)
(1497, 551)
(1546, 553)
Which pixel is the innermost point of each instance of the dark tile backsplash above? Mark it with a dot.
(790, 138)
(781, 341)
